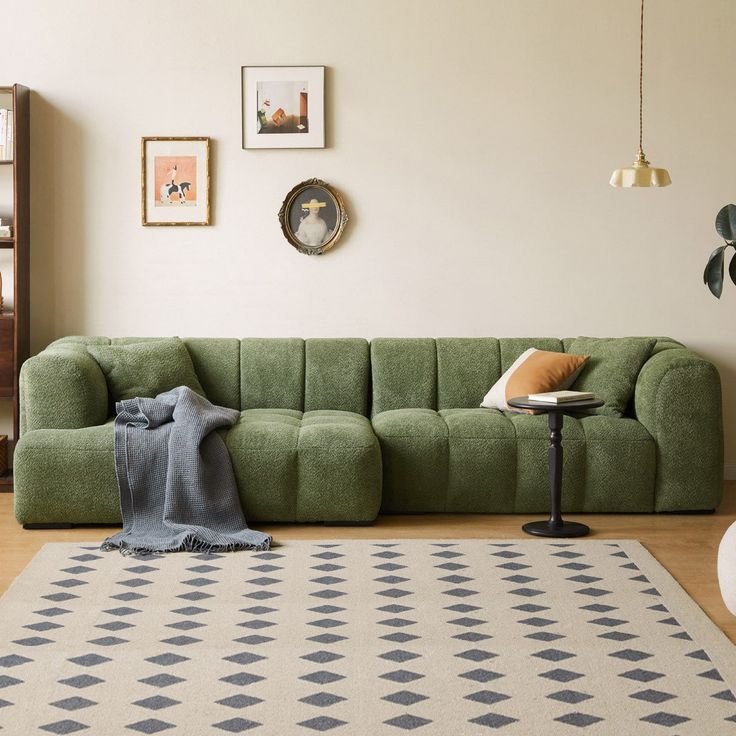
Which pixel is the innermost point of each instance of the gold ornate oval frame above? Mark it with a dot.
(290, 235)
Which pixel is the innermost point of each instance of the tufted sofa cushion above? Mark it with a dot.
(67, 475)
(312, 466)
(291, 373)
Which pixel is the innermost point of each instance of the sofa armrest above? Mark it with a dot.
(678, 400)
(62, 388)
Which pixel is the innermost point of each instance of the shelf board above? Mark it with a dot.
(7, 242)
(6, 481)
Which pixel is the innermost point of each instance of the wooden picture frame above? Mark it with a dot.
(175, 181)
(313, 217)
(283, 106)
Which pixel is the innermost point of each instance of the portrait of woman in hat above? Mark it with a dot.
(313, 217)
(313, 231)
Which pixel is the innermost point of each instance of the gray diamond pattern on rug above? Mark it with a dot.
(362, 638)
(64, 727)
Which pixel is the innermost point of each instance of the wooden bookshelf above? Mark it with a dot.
(14, 326)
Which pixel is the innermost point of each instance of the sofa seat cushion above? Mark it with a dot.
(67, 475)
(620, 465)
(482, 460)
(289, 466)
(415, 460)
(306, 466)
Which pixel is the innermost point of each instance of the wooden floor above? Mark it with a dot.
(687, 545)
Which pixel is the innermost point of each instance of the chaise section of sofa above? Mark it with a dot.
(303, 450)
(334, 429)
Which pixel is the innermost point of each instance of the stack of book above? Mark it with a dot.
(6, 227)
(561, 397)
(6, 134)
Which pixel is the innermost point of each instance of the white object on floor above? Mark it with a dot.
(727, 568)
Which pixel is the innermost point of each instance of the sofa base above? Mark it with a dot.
(64, 525)
(347, 523)
(689, 513)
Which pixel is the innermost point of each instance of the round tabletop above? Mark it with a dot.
(524, 402)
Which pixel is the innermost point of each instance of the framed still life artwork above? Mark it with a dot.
(175, 181)
(283, 106)
(313, 217)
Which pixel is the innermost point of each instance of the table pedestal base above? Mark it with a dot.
(555, 526)
(550, 529)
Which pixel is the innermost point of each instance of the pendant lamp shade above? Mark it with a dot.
(640, 173)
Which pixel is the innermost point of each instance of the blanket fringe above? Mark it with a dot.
(190, 543)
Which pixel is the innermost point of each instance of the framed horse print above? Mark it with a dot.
(175, 181)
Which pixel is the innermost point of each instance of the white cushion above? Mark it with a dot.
(496, 397)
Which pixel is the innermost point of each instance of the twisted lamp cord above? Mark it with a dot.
(641, 77)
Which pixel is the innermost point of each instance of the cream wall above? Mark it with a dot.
(472, 140)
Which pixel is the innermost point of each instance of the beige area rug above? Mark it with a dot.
(362, 637)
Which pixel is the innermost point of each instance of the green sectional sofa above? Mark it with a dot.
(336, 430)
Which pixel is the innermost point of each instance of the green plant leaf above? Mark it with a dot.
(726, 222)
(713, 274)
(718, 250)
(732, 268)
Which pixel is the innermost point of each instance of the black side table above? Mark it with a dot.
(555, 526)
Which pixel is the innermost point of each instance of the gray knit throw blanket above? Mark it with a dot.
(176, 481)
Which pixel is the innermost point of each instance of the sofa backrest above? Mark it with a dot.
(349, 375)
(272, 373)
(318, 373)
(443, 373)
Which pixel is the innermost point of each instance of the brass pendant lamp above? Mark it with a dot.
(640, 173)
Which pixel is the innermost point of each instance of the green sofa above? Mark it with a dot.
(335, 430)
